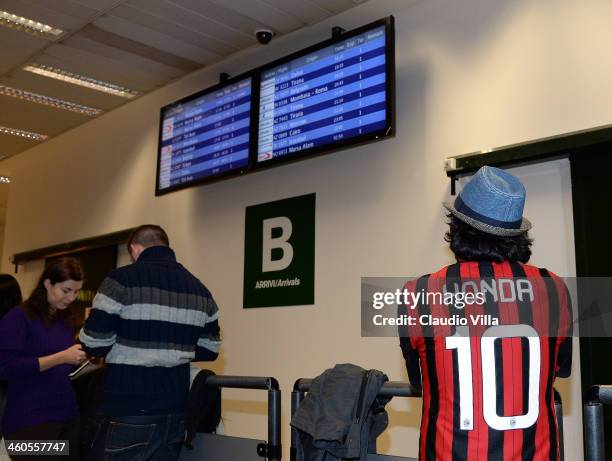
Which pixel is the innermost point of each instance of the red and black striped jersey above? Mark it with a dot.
(488, 387)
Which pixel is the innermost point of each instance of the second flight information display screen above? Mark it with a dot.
(205, 136)
(329, 96)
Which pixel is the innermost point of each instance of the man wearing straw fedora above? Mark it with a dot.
(487, 374)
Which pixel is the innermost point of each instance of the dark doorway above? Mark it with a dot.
(592, 195)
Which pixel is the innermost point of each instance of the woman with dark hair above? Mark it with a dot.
(37, 352)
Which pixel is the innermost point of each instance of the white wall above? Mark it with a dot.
(1, 241)
(471, 74)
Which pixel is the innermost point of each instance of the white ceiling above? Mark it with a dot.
(139, 44)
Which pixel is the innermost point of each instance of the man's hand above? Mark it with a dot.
(74, 355)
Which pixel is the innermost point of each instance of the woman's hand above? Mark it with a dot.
(74, 355)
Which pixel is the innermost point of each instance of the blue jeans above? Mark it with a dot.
(137, 438)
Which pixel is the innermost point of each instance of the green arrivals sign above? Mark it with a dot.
(279, 253)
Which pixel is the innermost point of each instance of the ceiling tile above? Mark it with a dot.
(279, 21)
(136, 49)
(125, 58)
(101, 68)
(41, 119)
(17, 47)
(64, 8)
(11, 145)
(191, 13)
(99, 5)
(156, 39)
(205, 34)
(305, 11)
(334, 6)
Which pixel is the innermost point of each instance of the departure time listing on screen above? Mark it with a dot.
(206, 136)
(331, 95)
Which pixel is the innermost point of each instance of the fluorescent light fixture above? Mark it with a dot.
(5, 179)
(28, 25)
(76, 79)
(48, 101)
(23, 133)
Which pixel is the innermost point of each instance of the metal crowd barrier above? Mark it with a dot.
(594, 442)
(389, 389)
(400, 389)
(559, 417)
(213, 447)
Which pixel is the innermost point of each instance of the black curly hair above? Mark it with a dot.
(470, 244)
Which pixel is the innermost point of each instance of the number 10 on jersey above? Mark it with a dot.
(462, 343)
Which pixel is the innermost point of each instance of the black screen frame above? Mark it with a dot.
(387, 131)
(254, 76)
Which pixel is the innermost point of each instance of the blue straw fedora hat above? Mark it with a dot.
(492, 201)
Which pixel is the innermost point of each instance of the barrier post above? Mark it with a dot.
(559, 417)
(593, 431)
(296, 398)
(271, 450)
(594, 441)
(274, 429)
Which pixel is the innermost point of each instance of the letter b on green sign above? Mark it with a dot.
(279, 253)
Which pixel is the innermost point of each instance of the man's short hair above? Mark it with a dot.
(148, 235)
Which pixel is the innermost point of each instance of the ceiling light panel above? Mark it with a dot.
(81, 80)
(22, 133)
(48, 101)
(28, 25)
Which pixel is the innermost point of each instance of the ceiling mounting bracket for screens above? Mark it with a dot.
(337, 31)
(223, 77)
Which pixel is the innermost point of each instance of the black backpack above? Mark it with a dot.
(203, 407)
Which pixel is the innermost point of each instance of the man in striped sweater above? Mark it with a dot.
(150, 320)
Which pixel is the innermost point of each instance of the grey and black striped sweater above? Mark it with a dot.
(150, 319)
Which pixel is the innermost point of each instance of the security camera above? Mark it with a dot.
(264, 36)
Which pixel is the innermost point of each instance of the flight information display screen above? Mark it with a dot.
(205, 136)
(325, 98)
